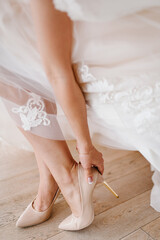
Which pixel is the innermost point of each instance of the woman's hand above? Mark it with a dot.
(91, 158)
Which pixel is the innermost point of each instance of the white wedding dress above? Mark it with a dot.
(116, 59)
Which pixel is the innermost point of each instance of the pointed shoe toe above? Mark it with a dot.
(66, 224)
(72, 223)
(31, 216)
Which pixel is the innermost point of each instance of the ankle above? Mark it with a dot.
(47, 181)
(67, 175)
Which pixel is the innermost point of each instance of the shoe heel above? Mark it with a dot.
(100, 179)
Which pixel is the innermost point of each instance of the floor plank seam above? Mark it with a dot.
(129, 234)
(152, 220)
(128, 154)
(54, 235)
(146, 166)
(148, 233)
(123, 202)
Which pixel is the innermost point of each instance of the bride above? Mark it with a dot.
(84, 71)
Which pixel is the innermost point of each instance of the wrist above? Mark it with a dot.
(84, 147)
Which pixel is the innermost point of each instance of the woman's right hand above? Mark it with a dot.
(90, 159)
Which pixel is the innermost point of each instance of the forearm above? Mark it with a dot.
(54, 38)
(72, 101)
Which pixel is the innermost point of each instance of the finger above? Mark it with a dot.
(89, 175)
(101, 168)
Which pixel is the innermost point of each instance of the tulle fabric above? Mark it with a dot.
(102, 10)
(22, 76)
(116, 60)
(119, 74)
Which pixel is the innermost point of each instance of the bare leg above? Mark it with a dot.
(47, 187)
(56, 166)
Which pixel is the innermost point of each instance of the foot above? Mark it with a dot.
(46, 193)
(86, 217)
(71, 192)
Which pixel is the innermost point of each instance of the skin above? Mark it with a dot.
(54, 157)
(54, 41)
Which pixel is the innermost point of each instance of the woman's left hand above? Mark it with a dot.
(90, 159)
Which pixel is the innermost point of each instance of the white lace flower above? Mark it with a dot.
(136, 98)
(32, 114)
(145, 120)
(84, 74)
(94, 85)
(72, 7)
(140, 104)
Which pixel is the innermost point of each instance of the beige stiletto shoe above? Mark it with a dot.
(74, 223)
(31, 216)
(100, 178)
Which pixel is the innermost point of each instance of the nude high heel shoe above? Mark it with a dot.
(74, 223)
(100, 178)
(31, 216)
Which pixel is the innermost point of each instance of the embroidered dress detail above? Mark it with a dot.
(32, 114)
(140, 105)
(83, 71)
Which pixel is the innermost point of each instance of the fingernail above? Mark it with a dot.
(90, 180)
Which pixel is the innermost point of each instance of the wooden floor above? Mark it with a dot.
(129, 217)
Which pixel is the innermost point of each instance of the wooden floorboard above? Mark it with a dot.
(116, 222)
(138, 234)
(153, 228)
(129, 217)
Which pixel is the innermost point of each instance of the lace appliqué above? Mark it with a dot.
(72, 7)
(83, 71)
(92, 85)
(32, 114)
(140, 105)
